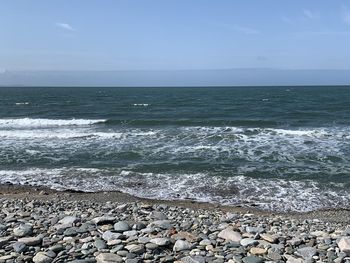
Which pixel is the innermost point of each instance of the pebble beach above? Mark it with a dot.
(43, 226)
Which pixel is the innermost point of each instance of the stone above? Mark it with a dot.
(31, 241)
(269, 238)
(42, 257)
(193, 259)
(291, 259)
(5, 240)
(137, 249)
(108, 258)
(248, 242)
(229, 235)
(69, 220)
(252, 259)
(100, 244)
(306, 252)
(19, 247)
(205, 242)
(103, 220)
(160, 241)
(158, 215)
(163, 224)
(23, 230)
(257, 251)
(181, 245)
(344, 245)
(108, 235)
(121, 226)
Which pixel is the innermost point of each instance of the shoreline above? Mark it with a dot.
(12, 191)
(42, 225)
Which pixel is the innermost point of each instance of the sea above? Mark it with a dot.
(271, 148)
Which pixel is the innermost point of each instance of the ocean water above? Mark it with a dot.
(273, 148)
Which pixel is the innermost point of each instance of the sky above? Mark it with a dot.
(153, 35)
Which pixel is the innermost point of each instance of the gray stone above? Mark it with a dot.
(42, 257)
(160, 241)
(253, 259)
(181, 245)
(100, 244)
(19, 247)
(108, 235)
(254, 230)
(193, 259)
(108, 258)
(158, 215)
(69, 220)
(163, 224)
(229, 235)
(5, 240)
(23, 230)
(30, 241)
(306, 252)
(248, 242)
(137, 249)
(121, 226)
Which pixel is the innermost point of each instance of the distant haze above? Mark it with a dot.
(227, 77)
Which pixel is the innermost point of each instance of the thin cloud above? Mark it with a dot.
(313, 15)
(246, 30)
(65, 26)
(345, 15)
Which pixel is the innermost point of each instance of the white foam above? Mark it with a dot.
(141, 104)
(29, 122)
(22, 103)
(269, 194)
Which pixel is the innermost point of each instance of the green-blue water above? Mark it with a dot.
(279, 148)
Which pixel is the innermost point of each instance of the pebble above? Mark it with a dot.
(82, 232)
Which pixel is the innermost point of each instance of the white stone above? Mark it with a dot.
(229, 235)
(344, 245)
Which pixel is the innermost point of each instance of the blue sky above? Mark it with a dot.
(174, 34)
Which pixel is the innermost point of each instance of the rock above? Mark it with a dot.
(257, 251)
(306, 252)
(254, 230)
(160, 241)
(5, 240)
(23, 230)
(137, 249)
(205, 242)
(193, 259)
(108, 235)
(344, 245)
(291, 259)
(253, 259)
(69, 220)
(42, 257)
(268, 238)
(181, 245)
(100, 244)
(108, 258)
(163, 224)
(103, 220)
(158, 215)
(19, 247)
(31, 241)
(121, 226)
(248, 242)
(229, 235)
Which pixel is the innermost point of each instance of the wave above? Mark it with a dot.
(266, 194)
(35, 123)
